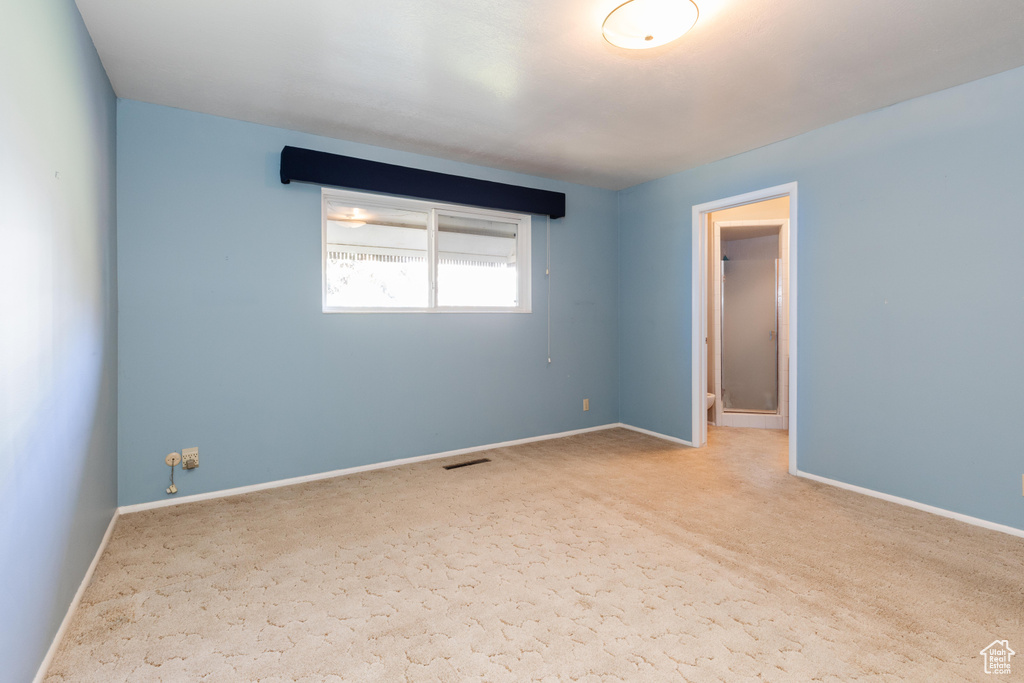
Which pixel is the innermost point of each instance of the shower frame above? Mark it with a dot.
(781, 355)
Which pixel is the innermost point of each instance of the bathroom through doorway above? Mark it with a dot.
(744, 313)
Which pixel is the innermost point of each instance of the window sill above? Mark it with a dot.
(452, 309)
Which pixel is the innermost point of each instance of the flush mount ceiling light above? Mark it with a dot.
(643, 24)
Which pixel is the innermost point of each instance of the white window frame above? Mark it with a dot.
(432, 209)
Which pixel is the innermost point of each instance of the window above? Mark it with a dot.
(392, 254)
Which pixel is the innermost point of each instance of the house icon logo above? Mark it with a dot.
(997, 657)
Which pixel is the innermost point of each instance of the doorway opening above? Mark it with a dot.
(744, 327)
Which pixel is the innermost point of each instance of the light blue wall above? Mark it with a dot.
(223, 345)
(921, 205)
(58, 321)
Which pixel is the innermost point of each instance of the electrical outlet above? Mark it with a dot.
(586, 404)
(189, 458)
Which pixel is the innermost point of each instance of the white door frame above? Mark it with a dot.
(699, 304)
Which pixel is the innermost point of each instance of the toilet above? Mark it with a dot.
(710, 401)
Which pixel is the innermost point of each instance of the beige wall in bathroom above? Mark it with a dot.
(766, 210)
(773, 208)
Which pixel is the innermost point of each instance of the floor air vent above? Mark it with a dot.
(467, 464)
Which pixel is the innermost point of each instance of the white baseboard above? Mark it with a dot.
(223, 493)
(985, 524)
(648, 432)
(73, 607)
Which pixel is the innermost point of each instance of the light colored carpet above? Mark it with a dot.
(602, 557)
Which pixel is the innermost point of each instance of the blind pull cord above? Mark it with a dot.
(547, 273)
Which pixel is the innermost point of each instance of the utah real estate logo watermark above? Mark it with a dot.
(997, 657)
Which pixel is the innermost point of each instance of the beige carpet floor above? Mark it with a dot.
(601, 557)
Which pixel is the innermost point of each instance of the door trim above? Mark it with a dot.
(699, 313)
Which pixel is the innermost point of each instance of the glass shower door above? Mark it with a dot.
(750, 331)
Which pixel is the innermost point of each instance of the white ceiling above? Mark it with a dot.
(531, 85)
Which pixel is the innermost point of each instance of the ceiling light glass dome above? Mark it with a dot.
(643, 24)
